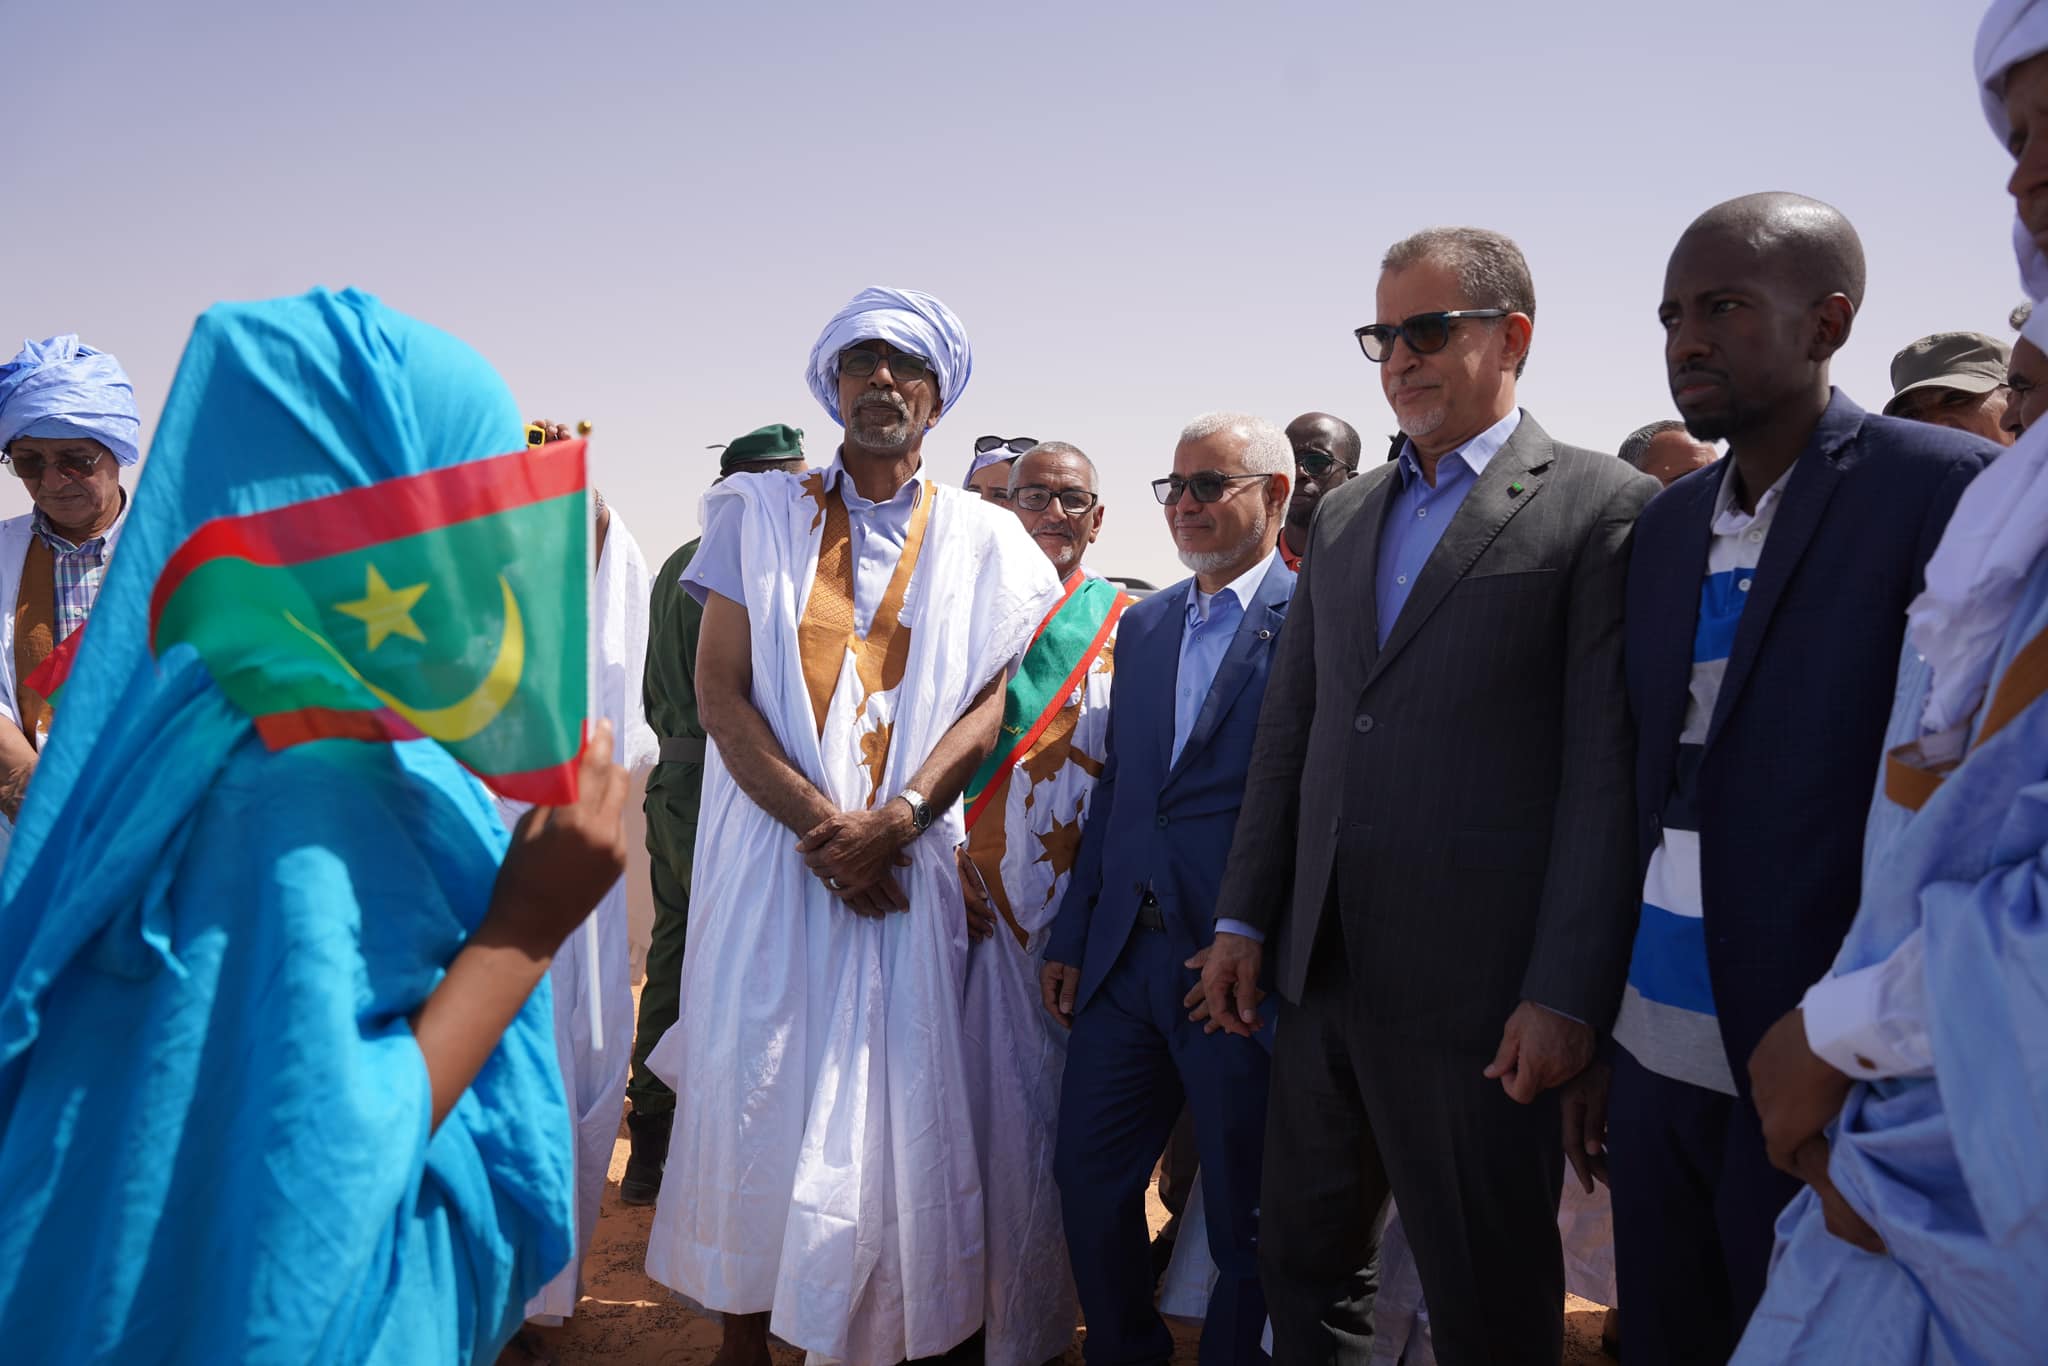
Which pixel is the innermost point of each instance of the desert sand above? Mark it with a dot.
(625, 1319)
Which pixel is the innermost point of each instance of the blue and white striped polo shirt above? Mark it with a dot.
(1667, 1018)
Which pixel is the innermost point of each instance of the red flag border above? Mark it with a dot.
(388, 510)
(551, 786)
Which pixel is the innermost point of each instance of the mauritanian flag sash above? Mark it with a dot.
(452, 605)
(1068, 640)
(47, 678)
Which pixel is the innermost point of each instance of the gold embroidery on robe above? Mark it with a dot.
(827, 630)
(874, 755)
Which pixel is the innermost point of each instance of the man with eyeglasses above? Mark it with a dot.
(822, 1180)
(1025, 809)
(1326, 451)
(67, 426)
(1434, 852)
(1192, 662)
(988, 475)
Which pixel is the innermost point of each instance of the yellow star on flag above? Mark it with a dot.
(386, 610)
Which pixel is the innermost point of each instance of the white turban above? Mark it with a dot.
(2012, 32)
(908, 321)
(1999, 529)
(58, 387)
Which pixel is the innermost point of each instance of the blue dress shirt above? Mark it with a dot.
(1212, 621)
(1418, 514)
(879, 531)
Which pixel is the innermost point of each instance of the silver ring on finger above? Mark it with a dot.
(835, 884)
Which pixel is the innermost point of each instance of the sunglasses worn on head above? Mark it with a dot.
(29, 468)
(1315, 464)
(904, 365)
(1427, 333)
(1206, 485)
(1015, 445)
(1037, 497)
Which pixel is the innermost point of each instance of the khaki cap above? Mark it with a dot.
(1969, 361)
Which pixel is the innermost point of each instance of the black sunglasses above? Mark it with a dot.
(1315, 464)
(1427, 333)
(29, 468)
(904, 365)
(1206, 485)
(1037, 497)
(1015, 445)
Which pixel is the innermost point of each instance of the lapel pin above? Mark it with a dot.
(1514, 489)
(1265, 635)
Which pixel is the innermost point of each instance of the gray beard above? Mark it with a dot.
(1422, 424)
(1209, 561)
(894, 437)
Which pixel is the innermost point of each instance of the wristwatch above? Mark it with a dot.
(921, 813)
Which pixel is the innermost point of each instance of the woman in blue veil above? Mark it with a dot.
(276, 1083)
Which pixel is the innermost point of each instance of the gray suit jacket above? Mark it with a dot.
(1467, 791)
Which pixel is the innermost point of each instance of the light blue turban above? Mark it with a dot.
(905, 319)
(61, 387)
(2014, 31)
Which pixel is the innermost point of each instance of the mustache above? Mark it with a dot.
(1693, 372)
(1403, 383)
(883, 400)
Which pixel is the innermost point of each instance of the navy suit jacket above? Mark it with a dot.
(1157, 824)
(1792, 750)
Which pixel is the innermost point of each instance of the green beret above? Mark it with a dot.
(773, 442)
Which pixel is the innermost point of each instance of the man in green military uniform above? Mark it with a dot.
(670, 694)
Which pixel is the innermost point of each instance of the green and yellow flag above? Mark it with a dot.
(452, 605)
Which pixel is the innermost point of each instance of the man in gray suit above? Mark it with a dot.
(1437, 843)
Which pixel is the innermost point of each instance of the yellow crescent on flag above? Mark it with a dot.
(464, 718)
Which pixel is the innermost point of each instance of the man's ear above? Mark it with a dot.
(1833, 317)
(1517, 330)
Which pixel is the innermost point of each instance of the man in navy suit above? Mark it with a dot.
(1766, 603)
(1136, 922)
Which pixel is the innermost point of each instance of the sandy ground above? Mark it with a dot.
(625, 1319)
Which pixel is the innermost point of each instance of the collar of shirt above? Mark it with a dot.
(96, 547)
(1730, 519)
(835, 474)
(1475, 454)
(1244, 588)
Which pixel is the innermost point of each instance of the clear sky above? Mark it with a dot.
(644, 213)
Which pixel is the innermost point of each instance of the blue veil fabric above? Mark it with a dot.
(214, 1122)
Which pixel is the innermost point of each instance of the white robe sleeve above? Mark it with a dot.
(1872, 1022)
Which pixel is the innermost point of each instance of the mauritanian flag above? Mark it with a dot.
(452, 605)
(47, 678)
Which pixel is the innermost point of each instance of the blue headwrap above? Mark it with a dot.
(214, 1121)
(59, 387)
(905, 319)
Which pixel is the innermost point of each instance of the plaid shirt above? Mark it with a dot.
(80, 570)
